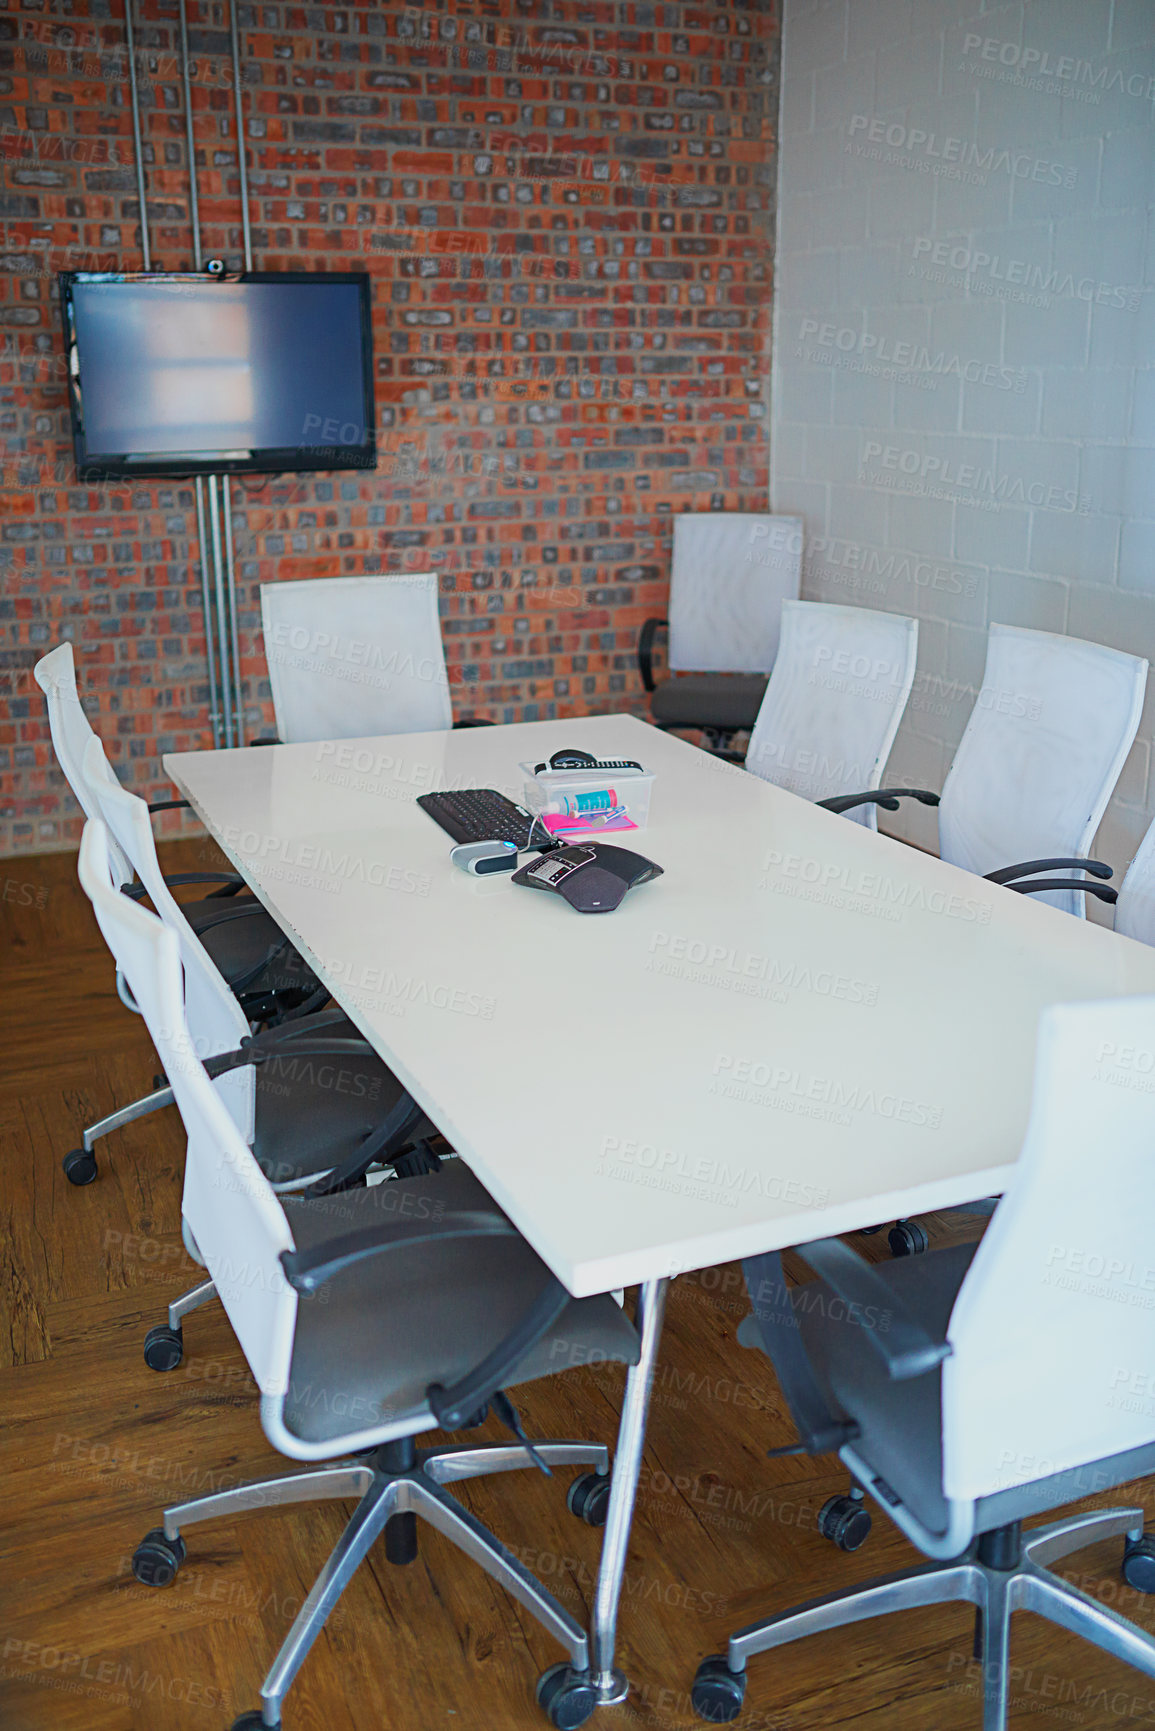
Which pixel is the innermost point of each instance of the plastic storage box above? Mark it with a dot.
(583, 801)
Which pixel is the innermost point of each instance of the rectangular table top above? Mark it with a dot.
(801, 1028)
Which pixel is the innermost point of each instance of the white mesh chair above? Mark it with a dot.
(834, 701)
(366, 1319)
(1135, 909)
(1045, 744)
(279, 1086)
(55, 674)
(973, 1388)
(1042, 751)
(264, 970)
(351, 657)
(730, 574)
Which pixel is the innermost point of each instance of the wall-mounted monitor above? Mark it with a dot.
(192, 374)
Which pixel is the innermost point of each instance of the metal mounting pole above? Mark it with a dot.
(242, 167)
(202, 537)
(207, 606)
(226, 484)
(234, 634)
(193, 208)
(222, 607)
(138, 146)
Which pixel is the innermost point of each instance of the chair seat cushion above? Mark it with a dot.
(312, 1112)
(709, 700)
(372, 1340)
(248, 946)
(901, 1422)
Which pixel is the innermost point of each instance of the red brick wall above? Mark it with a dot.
(567, 210)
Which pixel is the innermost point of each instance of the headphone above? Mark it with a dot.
(571, 758)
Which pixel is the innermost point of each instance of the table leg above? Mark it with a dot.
(610, 1684)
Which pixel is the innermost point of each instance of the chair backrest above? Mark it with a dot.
(834, 701)
(1053, 1331)
(1135, 909)
(351, 657)
(731, 573)
(1041, 753)
(55, 673)
(215, 1019)
(239, 1226)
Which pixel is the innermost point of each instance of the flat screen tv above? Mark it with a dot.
(192, 374)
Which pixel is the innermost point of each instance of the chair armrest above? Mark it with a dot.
(263, 1048)
(395, 1130)
(646, 650)
(1037, 886)
(310, 1038)
(887, 797)
(168, 805)
(232, 883)
(900, 1339)
(293, 1028)
(304, 1011)
(300, 1040)
(308, 1270)
(452, 1406)
(821, 1431)
(1030, 867)
(267, 1047)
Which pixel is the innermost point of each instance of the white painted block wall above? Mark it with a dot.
(963, 383)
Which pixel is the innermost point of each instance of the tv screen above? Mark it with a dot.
(186, 375)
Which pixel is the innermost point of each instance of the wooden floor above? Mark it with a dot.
(94, 1444)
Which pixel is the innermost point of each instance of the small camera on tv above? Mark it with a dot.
(214, 267)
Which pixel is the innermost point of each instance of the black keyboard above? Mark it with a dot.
(479, 814)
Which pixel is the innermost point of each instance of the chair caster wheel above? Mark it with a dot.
(907, 1238)
(253, 1722)
(163, 1347)
(868, 1231)
(157, 1558)
(717, 1693)
(1139, 1564)
(589, 1498)
(79, 1166)
(568, 1697)
(845, 1522)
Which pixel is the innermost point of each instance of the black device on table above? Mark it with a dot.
(592, 877)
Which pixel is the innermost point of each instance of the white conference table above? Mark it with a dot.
(802, 1028)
